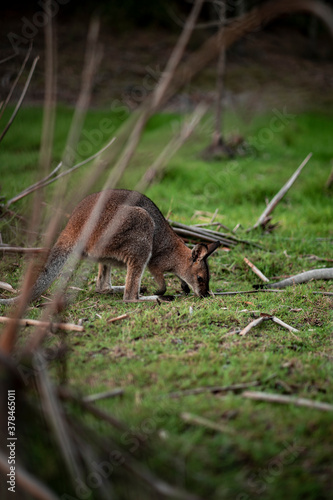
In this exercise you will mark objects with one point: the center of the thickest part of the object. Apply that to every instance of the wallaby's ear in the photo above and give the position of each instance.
(202, 251)
(212, 247)
(199, 252)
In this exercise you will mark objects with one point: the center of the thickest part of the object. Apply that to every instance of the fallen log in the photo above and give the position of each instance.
(315, 274)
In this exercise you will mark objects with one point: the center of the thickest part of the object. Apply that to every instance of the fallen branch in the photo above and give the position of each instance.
(325, 273)
(251, 325)
(103, 395)
(278, 398)
(118, 318)
(7, 287)
(256, 270)
(197, 420)
(265, 317)
(201, 234)
(278, 197)
(247, 292)
(43, 324)
(8, 249)
(213, 389)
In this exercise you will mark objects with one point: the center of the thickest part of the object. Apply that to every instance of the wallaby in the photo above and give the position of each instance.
(119, 227)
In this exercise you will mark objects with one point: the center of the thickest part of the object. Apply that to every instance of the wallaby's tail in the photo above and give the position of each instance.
(51, 271)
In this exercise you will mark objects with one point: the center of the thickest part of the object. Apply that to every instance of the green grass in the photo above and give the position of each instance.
(268, 450)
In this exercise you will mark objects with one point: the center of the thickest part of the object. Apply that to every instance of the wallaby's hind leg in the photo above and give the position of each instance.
(133, 281)
(103, 284)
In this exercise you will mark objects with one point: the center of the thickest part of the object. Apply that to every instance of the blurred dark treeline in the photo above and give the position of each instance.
(122, 14)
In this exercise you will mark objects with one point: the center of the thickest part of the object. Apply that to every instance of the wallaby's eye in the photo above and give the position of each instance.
(200, 279)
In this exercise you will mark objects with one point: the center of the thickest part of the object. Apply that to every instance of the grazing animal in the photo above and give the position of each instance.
(118, 227)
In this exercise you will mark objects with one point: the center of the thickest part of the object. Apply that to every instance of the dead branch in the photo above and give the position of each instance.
(118, 318)
(103, 395)
(54, 414)
(214, 389)
(208, 235)
(43, 324)
(256, 270)
(253, 323)
(19, 103)
(246, 292)
(10, 93)
(7, 287)
(205, 422)
(48, 180)
(278, 197)
(8, 249)
(279, 398)
(285, 325)
(325, 273)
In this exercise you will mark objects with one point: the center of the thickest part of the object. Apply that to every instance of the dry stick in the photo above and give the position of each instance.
(278, 197)
(4, 105)
(205, 422)
(18, 105)
(118, 318)
(7, 286)
(43, 324)
(54, 413)
(285, 325)
(253, 323)
(246, 292)
(97, 412)
(256, 270)
(30, 484)
(157, 97)
(324, 293)
(172, 147)
(103, 395)
(22, 250)
(47, 180)
(278, 398)
(213, 389)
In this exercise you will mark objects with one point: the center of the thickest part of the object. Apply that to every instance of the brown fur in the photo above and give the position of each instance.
(121, 227)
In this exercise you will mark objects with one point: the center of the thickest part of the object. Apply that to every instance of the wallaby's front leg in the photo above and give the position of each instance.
(159, 278)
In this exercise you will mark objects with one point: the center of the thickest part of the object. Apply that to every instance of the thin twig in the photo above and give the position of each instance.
(278, 197)
(6, 249)
(279, 398)
(44, 324)
(205, 422)
(10, 93)
(246, 292)
(213, 389)
(103, 395)
(256, 270)
(47, 180)
(118, 318)
(18, 105)
(54, 413)
(253, 323)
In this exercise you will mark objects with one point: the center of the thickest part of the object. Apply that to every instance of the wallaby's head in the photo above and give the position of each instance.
(197, 274)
